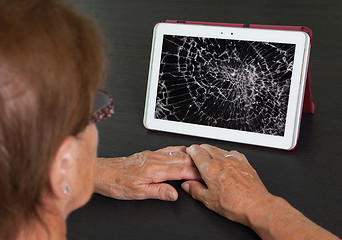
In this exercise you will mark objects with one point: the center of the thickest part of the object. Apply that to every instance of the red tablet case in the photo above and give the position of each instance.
(308, 106)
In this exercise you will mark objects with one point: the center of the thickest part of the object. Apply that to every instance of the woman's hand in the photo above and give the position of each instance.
(140, 176)
(235, 191)
(233, 188)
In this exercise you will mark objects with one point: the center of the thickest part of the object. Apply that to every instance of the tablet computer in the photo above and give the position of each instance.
(235, 84)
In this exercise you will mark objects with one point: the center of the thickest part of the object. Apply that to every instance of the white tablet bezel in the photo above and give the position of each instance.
(288, 141)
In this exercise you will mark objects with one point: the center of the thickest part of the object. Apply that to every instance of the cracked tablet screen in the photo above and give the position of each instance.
(234, 84)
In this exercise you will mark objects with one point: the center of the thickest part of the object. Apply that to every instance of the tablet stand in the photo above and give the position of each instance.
(308, 105)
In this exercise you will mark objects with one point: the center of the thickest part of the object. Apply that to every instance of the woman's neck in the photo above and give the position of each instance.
(52, 227)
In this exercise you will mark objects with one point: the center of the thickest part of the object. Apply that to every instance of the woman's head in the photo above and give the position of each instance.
(51, 65)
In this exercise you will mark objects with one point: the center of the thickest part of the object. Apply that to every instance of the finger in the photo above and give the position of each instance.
(172, 149)
(200, 157)
(213, 151)
(162, 191)
(167, 158)
(196, 189)
(219, 153)
(237, 156)
(162, 172)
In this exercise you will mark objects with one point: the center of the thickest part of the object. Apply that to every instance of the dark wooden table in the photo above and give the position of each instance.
(308, 177)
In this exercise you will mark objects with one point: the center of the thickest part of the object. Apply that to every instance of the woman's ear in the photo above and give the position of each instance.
(59, 171)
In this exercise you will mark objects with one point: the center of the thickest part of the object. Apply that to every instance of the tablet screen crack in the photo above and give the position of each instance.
(242, 85)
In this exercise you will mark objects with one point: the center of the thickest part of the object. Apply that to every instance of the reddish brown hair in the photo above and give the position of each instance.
(51, 65)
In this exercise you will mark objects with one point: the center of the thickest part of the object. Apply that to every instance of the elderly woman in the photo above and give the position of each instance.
(52, 63)
(51, 66)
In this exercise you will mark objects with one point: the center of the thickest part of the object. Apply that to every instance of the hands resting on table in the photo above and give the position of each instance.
(223, 180)
(140, 175)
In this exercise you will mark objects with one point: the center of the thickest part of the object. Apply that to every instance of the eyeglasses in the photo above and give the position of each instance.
(103, 107)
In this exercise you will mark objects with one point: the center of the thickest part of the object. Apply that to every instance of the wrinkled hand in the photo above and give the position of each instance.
(233, 186)
(140, 176)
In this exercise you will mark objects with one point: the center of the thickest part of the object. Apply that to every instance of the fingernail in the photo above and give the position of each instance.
(205, 146)
(185, 187)
(190, 149)
(171, 195)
